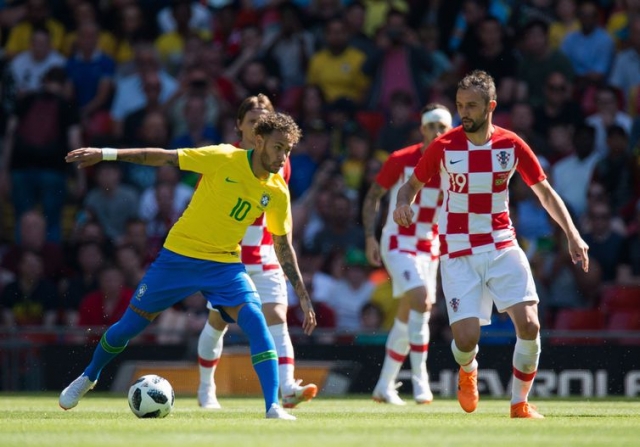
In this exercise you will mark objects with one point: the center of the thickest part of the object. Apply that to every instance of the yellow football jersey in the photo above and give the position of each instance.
(227, 200)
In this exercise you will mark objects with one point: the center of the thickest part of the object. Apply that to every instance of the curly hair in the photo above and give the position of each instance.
(281, 122)
(481, 81)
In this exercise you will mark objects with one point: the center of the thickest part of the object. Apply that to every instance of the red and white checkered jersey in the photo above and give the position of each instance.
(257, 252)
(475, 211)
(422, 235)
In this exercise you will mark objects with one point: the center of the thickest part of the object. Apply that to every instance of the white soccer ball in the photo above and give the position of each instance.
(151, 396)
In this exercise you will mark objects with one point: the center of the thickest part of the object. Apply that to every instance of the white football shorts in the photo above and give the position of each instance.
(410, 271)
(271, 286)
(472, 284)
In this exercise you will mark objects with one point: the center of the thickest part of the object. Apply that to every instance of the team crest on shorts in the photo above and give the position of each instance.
(454, 303)
(503, 159)
(407, 275)
(141, 291)
(264, 200)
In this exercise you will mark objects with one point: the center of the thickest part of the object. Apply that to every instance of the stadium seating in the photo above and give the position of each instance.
(624, 320)
(579, 320)
(620, 298)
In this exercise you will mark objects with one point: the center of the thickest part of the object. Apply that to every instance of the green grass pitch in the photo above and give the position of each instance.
(105, 420)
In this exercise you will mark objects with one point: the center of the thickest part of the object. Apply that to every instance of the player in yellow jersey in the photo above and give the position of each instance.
(202, 252)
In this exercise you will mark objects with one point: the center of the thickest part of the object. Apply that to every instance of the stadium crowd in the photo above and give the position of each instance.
(354, 74)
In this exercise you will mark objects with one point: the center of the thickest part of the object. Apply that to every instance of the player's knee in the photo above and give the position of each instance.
(529, 330)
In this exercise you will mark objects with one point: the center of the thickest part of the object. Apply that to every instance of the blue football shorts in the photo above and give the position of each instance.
(173, 277)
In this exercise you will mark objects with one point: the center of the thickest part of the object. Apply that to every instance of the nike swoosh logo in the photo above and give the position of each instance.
(228, 180)
(454, 162)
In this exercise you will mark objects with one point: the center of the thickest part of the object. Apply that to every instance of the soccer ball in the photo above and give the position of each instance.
(151, 396)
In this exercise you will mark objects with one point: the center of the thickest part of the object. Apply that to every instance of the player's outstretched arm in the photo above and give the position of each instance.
(88, 156)
(289, 263)
(369, 211)
(403, 214)
(551, 201)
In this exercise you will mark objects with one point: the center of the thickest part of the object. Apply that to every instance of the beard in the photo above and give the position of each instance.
(473, 126)
(271, 167)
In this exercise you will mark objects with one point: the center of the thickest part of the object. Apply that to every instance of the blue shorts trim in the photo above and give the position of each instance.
(173, 277)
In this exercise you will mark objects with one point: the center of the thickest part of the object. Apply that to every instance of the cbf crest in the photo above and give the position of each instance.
(503, 159)
(265, 199)
(455, 304)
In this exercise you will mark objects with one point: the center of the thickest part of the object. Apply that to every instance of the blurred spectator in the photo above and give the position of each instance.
(29, 67)
(607, 113)
(377, 11)
(566, 21)
(597, 195)
(111, 202)
(319, 13)
(84, 13)
(353, 164)
(199, 19)
(311, 106)
(130, 29)
(170, 44)
(463, 40)
(340, 231)
(38, 16)
(308, 156)
(590, 49)
(522, 122)
(628, 272)
(181, 193)
(212, 60)
(90, 82)
(130, 95)
(526, 11)
(625, 73)
(89, 260)
(154, 132)
(30, 299)
(571, 176)
(183, 321)
(561, 283)
(337, 69)
(250, 51)
(253, 80)
(199, 131)
(159, 225)
(354, 16)
(619, 23)
(130, 263)
(533, 226)
(371, 317)
(441, 76)
(349, 294)
(539, 61)
(605, 245)
(106, 305)
(615, 171)
(136, 237)
(398, 64)
(33, 169)
(341, 119)
(128, 130)
(495, 56)
(401, 121)
(557, 106)
(195, 83)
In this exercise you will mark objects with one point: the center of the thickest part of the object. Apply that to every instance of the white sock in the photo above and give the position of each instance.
(419, 342)
(467, 360)
(397, 348)
(284, 349)
(210, 345)
(525, 365)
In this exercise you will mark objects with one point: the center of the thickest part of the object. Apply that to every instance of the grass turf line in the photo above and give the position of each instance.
(103, 420)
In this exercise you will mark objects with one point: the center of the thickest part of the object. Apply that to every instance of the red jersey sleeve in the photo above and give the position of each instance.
(430, 162)
(528, 164)
(390, 172)
(286, 171)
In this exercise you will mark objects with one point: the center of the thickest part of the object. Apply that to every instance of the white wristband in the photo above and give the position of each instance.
(109, 154)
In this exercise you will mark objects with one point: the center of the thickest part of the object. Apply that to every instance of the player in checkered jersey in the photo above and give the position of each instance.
(481, 263)
(260, 260)
(410, 256)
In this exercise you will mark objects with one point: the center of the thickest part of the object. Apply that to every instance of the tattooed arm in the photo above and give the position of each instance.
(88, 156)
(289, 263)
(369, 211)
